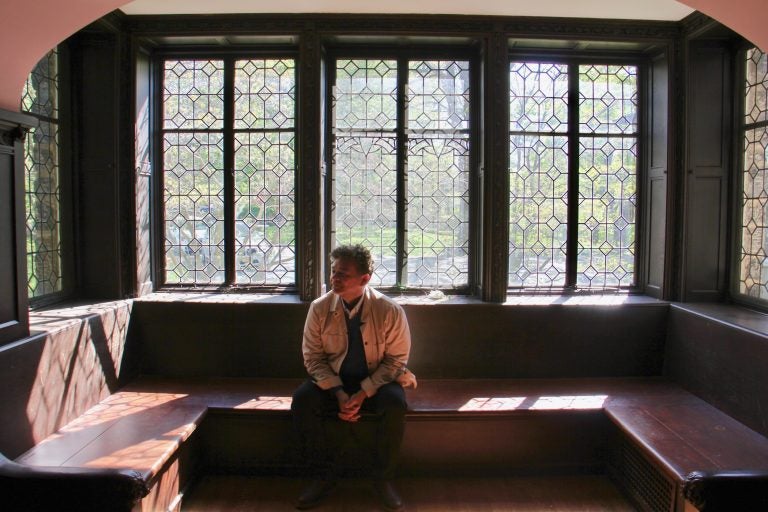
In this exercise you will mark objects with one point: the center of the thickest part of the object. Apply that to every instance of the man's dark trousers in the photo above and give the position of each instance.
(312, 407)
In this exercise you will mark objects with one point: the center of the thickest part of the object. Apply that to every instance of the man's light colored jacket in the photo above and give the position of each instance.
(386, 339)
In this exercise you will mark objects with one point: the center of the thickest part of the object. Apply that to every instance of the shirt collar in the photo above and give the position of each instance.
(352, 313)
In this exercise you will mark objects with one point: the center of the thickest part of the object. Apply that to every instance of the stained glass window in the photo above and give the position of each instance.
(401, 185)
(42, 167)
(200, 135)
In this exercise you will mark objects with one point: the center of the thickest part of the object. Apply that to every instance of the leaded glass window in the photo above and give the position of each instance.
(401, 147)
(229, 171)
(573, 175)
(538, 205)
(40, 98)
(753, 267)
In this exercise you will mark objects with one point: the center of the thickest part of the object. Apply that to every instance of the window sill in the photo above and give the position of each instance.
(731, 315)
(422, 299)
(51, 319)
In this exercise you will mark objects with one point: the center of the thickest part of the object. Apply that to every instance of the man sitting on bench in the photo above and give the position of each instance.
(356, 344)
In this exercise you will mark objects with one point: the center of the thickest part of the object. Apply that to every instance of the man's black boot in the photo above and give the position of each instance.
(314, 493)
(388, 496)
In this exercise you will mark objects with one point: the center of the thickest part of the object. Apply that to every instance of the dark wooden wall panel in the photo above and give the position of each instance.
(48, 379)
(707, 266)
(708, 169)
(449, 341)
(13, 269)
(96, 163)
(9, 278)
(478, 341)
(655, 184)
(219, 340)
(547, 443)
(724, 364)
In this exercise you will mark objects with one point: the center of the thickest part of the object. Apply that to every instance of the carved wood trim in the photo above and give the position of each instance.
(569, 28)
(309, 184)
(14, 126)
(496, 169)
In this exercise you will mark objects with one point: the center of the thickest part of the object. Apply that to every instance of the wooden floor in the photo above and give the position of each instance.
(519, 494)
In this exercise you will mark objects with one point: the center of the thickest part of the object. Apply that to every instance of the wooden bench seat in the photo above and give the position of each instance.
(150, 425)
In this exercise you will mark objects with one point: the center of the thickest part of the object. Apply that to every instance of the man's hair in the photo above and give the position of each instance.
(358, 254)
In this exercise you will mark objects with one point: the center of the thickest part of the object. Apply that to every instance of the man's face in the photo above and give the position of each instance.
(346, 280)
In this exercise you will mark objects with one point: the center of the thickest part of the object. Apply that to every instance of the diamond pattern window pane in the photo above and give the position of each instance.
(265, 92)
(438, 95)
(365, 95)
(756, 100)
(193, 178)
(435, 228)
(41, 90)
(753, 268)
(193, 95)
(265, 226)
(197, 143)
(538, 210)
(438, 211)
(607, 212)
(366, 200)
(438, 174)
(42, 210)
(538, 97)
(540, 162)
(608, 99)
(42, 194)
(538, 203)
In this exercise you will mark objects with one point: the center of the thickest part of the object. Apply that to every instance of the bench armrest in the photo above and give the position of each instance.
(713, 491)
(34, 488)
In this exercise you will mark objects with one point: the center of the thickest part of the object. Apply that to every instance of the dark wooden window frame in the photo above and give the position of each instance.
(67, 195)
(158, 236)
(574, 60)
(496, 39)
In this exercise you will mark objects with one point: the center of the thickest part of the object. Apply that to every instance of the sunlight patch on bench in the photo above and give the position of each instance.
(267, 403)
(565, 402)
(578, 402)
(499, 403)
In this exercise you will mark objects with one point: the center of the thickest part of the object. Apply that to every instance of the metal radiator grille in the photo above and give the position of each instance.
(645, 485)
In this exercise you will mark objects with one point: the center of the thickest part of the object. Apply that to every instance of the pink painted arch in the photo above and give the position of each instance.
(747, 17)
(30, 28)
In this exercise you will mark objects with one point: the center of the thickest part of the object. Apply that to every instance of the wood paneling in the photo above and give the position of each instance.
(708, 168)
(13, 269)
(655, 188)
(449, 341)
(724, 364)
(218, 493)
(48, 379)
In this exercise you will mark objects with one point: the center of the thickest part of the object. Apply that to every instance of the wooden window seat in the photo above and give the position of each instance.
(648, 433)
